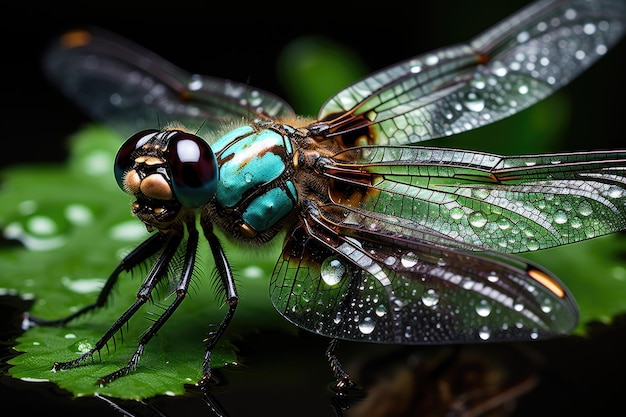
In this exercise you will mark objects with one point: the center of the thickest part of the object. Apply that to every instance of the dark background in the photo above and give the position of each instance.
(242, 42)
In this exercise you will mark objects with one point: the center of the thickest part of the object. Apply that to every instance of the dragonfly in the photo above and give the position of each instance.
(384, 240)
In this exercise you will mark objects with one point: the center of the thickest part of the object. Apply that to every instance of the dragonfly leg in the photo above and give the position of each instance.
(146, 249)
(180, 291)
(158, 271)
(343, 383)
(232, 299)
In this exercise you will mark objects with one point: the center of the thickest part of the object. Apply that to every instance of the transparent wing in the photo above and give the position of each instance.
(373, 285)
(509, 67)
(412, 247)
(125, 85)
(505, 203)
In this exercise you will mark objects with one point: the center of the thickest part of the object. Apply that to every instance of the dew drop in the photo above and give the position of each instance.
(503, 223)
(546, 306)
(484, 333)
(584, 208)
(332, 270)
(560, 217)
(431, 60)
(523, 37)
(498, 69)
(478, 83)
(9, 291)
(567, 206)
(37, 232)
(430, 298)
(615, 192)
(338, 317)
(456, 213)
(532, 245)
(473, 102)
(367, 325)
(83, 286)
(381, 310)
(128, 231)
(477, 219)
(81, 347)
(576, 223)
(42, 225)
(195, 84)
(79, 214)
(253, 272)
(408, 332)
(483, 308)
(409, 260)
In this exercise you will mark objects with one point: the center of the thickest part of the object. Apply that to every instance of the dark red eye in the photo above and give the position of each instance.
(123, 160)
(193, 169)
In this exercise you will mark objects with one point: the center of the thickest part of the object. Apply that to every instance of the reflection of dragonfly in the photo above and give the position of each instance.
(385, 242)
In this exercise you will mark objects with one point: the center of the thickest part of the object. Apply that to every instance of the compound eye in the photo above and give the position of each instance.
(123, 159)
(193, 169)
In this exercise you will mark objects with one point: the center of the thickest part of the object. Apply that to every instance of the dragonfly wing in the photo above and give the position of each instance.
(123, 84)
(380, 286)
(506, 69)
(507, 204)
(412, 245)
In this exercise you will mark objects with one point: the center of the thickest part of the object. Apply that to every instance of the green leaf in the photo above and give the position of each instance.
(76, 225)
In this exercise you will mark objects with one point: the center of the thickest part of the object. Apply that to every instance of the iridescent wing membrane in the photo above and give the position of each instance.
(408, 250)
(410, 244)
(509, 67)
(411, 248)
(131, 88)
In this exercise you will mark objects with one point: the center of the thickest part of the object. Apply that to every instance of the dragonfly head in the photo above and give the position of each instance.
(166, 170)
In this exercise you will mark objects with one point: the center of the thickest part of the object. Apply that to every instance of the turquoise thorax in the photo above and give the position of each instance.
(252, 177)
